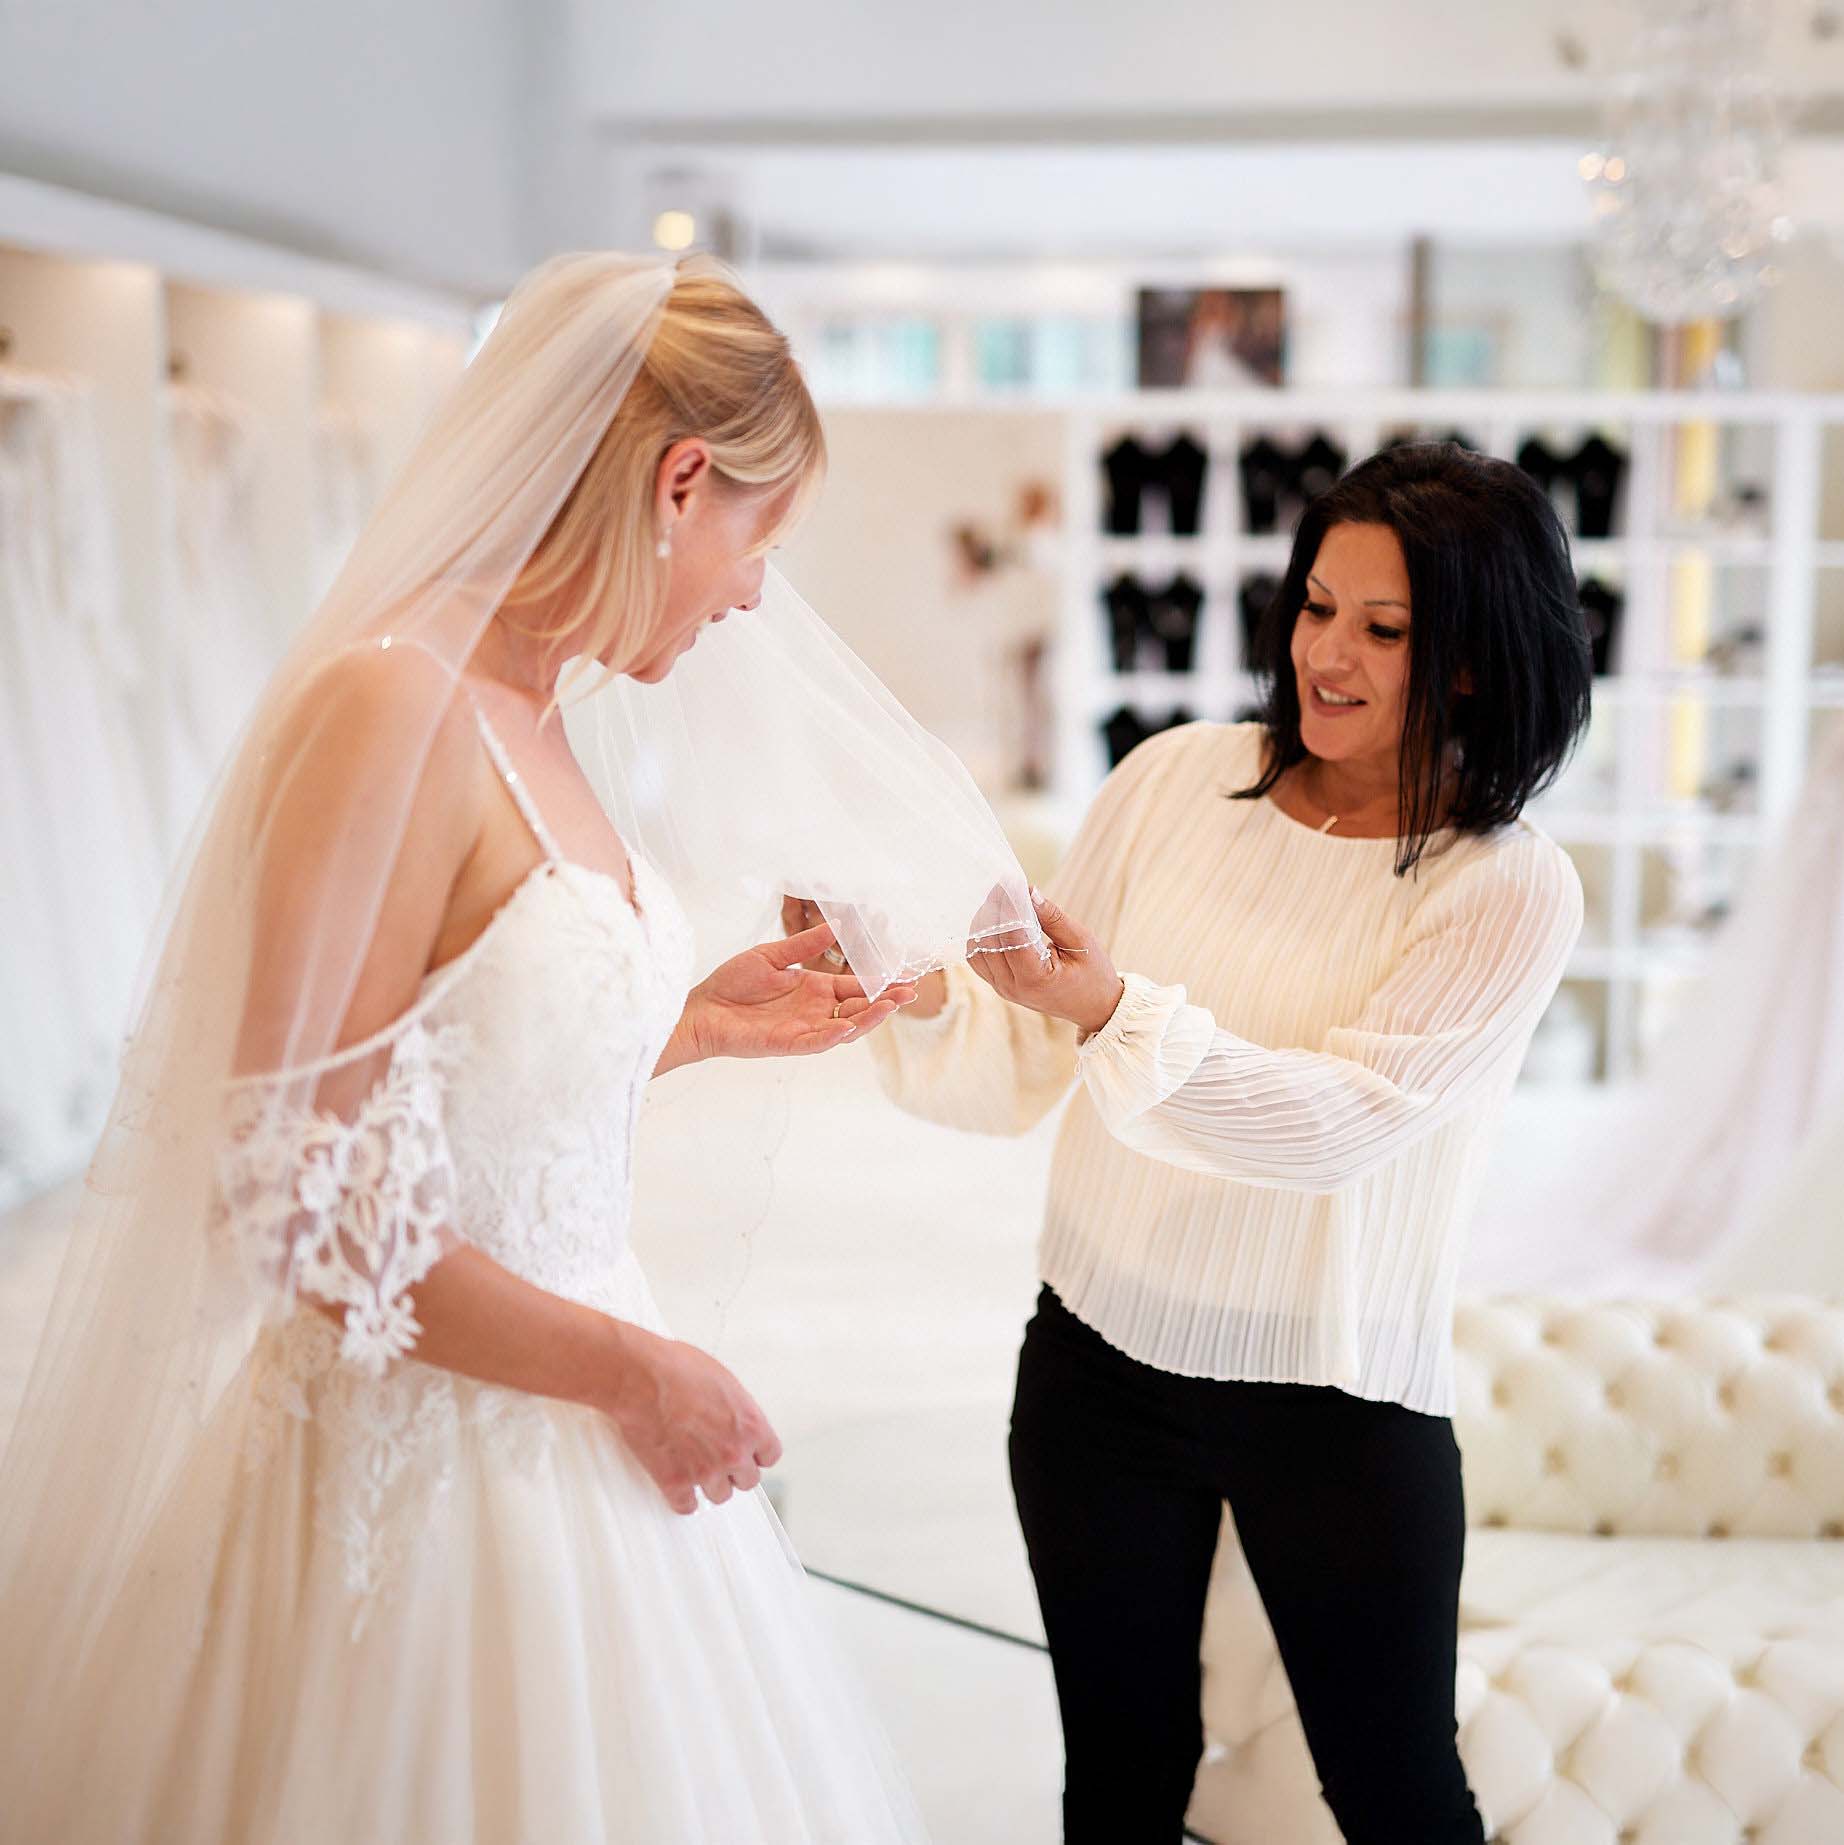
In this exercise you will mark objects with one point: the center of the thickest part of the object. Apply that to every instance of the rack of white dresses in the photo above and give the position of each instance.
(130, 300)
(147, 337)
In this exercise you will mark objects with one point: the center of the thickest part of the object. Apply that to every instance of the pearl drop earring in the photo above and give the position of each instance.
(664, 547)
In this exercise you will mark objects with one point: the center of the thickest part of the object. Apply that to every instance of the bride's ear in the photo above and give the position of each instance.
(683, 469)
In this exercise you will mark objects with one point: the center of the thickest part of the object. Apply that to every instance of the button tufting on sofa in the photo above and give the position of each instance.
(1620, 1675)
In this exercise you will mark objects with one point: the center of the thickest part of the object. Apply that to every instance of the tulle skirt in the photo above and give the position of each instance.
(542, 1653)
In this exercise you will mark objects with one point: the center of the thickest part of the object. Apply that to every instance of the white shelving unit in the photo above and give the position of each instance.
(1659, 822)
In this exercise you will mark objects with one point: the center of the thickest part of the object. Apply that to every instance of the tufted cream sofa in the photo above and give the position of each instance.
(1652, 1614)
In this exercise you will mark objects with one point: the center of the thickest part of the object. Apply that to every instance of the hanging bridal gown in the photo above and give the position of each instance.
(439, 1611)
(217, 654)
(79, 880)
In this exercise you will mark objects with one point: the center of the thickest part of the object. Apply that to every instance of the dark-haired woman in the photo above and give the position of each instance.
(1342, 935)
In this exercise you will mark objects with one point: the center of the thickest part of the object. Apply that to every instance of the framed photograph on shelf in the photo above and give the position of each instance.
(1212, 339)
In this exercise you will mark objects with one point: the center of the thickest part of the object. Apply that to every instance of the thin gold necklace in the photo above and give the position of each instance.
(1331, 820)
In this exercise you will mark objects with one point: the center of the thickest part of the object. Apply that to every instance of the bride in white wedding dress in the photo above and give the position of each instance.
(361, 1494)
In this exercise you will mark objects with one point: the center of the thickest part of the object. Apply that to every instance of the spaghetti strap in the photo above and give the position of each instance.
(515, 786)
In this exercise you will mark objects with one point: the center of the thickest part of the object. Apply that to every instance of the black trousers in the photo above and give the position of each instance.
(1351, 1518)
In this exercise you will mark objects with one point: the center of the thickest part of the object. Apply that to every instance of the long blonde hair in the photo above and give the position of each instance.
(716, 368)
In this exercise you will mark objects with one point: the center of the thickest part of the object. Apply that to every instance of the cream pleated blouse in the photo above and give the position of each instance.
(1276, 1143)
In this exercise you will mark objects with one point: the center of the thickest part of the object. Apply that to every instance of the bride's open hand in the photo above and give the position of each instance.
(763, 1003)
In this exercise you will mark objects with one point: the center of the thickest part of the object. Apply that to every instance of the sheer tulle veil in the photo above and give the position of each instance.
(775, 763)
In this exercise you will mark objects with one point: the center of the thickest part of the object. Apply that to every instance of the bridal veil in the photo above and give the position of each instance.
(252, 1155)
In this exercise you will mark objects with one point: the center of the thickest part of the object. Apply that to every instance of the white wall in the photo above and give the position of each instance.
(1798, 345)
(874, 557)
(388, 132)
(1798, 342)
(1538, 302)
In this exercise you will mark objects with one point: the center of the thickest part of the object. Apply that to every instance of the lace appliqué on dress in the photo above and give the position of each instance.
(389, 1445)
(352, 1212)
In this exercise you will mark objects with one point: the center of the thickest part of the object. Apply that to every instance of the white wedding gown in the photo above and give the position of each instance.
(442, 1612)
(79, 871)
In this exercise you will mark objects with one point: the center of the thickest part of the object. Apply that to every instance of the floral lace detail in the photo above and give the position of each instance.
(352, 1212)
(543, 1106)
(390, 1444)
(506, 1120)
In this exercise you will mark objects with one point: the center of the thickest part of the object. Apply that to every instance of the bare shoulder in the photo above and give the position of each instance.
(378, 734)
(370, 695)
(367, 807)
(370, 706)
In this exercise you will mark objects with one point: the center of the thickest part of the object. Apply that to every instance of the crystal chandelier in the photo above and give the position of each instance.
(1686, 187)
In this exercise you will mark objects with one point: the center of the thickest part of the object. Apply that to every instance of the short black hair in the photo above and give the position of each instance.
(1493, 594)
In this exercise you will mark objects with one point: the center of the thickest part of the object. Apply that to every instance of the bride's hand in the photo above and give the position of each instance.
(688, 1422)
(1071, 979)
(764, 1003)
(930, 993)
(799, 914)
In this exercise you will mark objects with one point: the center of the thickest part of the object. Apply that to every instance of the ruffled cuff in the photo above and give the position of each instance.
(1147, 1051)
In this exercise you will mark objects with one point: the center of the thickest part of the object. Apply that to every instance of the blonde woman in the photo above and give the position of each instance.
(361, 1493)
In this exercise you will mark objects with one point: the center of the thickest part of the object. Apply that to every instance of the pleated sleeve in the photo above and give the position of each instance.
(1483, 957)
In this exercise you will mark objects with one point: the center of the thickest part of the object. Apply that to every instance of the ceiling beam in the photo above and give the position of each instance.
(1818, 115)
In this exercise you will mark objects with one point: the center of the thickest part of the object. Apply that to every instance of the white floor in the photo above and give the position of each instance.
(972, 1719)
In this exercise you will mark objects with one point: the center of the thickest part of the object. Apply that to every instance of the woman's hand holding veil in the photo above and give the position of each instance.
(763, 1003)
(1069, 977)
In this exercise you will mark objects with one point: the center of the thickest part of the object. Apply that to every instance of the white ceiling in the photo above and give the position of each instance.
(456, 140)
(980, 129)
(867, 70)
